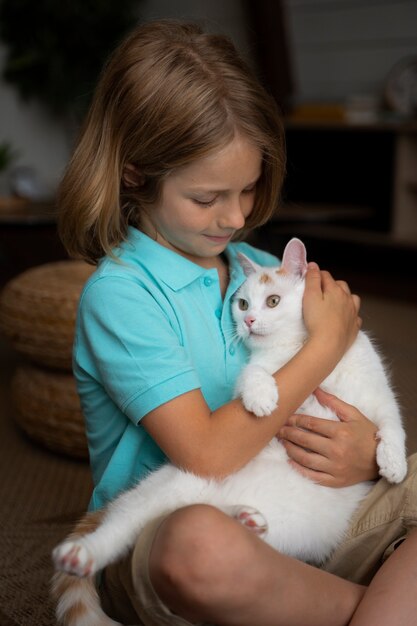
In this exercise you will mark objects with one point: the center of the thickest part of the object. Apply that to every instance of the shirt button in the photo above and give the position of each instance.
(232, 350)
(208, 281)
(218, 313)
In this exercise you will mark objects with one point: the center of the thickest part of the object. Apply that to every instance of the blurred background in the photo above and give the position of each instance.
(343, 71)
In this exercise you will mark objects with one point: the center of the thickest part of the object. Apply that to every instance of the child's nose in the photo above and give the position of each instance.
(233, 216)
(249, 319)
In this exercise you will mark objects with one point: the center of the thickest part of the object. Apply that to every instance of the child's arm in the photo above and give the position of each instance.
(220, 442)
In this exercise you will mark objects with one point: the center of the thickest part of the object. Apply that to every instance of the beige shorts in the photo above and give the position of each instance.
(381, 523)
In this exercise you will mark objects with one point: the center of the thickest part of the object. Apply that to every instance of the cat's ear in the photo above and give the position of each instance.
(294, 260)
(248, 266)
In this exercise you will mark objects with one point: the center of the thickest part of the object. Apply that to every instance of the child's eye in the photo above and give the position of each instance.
(272, 301)
(206, 203)
(243, 304)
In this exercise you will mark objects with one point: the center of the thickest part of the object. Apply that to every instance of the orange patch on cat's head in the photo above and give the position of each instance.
(264, 278)
(280, 271)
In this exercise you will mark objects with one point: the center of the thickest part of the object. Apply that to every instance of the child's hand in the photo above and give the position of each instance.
(335, 454)
(330, 310)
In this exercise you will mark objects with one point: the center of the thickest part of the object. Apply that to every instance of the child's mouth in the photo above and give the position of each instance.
(218, 238)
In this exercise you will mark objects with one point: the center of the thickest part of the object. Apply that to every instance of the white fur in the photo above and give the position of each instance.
(304, 519)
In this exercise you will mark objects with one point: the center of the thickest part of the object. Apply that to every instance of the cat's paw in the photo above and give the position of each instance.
(250, 518)
(73, 557)
(260, 406)
(392, 461)
(259, 392)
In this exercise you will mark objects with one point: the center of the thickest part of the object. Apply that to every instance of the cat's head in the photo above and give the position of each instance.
(269, 303)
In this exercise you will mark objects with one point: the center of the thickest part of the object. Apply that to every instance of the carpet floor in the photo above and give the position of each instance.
(43, 493)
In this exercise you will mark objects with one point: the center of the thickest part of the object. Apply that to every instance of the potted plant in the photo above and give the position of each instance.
(54, 53)
(55, 49)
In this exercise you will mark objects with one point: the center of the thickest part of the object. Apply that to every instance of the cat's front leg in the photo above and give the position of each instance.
(74, 556)
(391, 454)
(258, 390)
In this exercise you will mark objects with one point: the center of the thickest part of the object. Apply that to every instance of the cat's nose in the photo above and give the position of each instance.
(249, 320)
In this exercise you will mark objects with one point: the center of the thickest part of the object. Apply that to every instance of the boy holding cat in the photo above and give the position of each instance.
(183, 151)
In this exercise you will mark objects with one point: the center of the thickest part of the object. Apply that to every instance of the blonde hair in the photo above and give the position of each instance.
(169, 94)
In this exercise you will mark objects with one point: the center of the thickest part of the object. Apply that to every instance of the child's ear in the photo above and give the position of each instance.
(132, 177)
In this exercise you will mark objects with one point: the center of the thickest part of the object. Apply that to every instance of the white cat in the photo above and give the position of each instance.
(293, 514)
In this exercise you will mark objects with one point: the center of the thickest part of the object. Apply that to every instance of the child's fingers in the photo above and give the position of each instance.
(344, 411)
(313, 274)
(343, 284)
(356, 301)
(329, 281)
(318, 425)
(329, 308)
(313, 281)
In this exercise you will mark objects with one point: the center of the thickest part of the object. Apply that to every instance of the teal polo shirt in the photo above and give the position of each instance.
(151, 326)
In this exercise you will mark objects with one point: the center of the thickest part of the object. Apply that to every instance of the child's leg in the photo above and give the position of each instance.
(208, 569)
(390, 599)
(382, 550)
(201, 566)
(203, 563)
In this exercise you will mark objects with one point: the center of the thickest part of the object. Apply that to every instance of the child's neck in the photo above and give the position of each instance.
(218, 262)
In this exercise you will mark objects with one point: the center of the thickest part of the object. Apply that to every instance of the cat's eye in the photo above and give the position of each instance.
(243, 304)
(272, 301)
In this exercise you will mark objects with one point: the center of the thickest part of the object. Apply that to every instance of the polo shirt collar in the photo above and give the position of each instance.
(173, 269)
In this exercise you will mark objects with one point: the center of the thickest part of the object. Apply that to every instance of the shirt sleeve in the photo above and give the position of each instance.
(128, 340)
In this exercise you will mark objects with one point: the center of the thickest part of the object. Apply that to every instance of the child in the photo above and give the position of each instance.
(183, 152)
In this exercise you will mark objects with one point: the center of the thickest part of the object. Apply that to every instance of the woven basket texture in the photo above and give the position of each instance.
(38, 310)
(48, 409)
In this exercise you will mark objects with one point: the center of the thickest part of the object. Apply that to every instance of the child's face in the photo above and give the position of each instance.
(203, 204)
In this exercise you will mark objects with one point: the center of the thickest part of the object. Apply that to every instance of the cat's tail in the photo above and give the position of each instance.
(77, 602)
(76, 599)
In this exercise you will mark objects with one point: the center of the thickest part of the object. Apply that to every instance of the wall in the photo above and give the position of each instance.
(347, 47)
(225, 16)
(39, 142)
(45, 144)
(339, 47)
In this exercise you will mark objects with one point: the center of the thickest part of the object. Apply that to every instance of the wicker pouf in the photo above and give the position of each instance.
(38, 310)
(37, 314)
(48, 409)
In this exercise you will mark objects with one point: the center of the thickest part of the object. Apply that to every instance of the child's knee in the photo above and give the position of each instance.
(197, 553)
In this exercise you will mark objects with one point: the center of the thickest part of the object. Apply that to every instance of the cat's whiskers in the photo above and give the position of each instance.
(232, 335)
